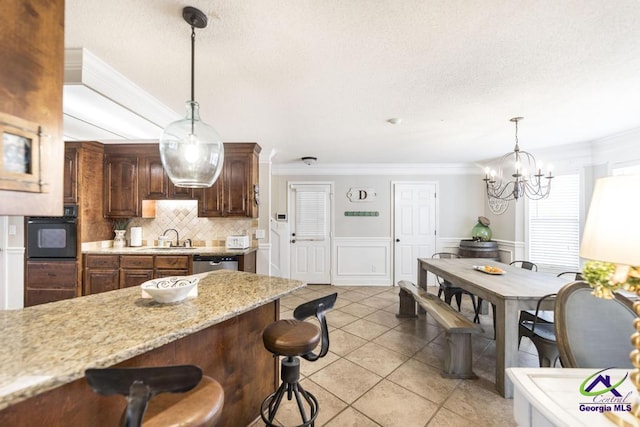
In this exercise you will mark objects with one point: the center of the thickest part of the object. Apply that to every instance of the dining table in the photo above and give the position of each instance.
(510, 291)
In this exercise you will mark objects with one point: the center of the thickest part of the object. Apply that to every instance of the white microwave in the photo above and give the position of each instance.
(238, 242)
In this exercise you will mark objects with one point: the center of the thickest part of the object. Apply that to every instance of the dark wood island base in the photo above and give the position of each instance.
(231, 352)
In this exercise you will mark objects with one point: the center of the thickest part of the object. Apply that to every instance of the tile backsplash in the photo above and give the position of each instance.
(182, 215)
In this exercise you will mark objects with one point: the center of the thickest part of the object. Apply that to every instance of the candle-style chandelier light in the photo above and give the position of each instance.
(517, 175)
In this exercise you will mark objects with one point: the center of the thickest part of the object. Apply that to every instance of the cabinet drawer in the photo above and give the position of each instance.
(172, 262)
(168, 273)
(51, 275)
(138, 261)
(102, 261)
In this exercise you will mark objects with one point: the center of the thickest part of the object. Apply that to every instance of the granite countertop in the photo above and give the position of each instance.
(156, 250)
(49, 345)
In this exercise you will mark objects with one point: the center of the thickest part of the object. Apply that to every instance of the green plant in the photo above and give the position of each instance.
(121, 223)
(607, 277)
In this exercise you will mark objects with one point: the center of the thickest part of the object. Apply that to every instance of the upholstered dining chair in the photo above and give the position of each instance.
(450, 291)
(593, 332)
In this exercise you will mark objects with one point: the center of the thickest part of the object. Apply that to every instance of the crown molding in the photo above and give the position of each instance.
(377, 169)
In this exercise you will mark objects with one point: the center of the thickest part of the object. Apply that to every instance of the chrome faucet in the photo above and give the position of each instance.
(177, 236)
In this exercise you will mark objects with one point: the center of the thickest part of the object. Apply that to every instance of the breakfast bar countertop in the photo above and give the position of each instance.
(49, 345)
(156, 250)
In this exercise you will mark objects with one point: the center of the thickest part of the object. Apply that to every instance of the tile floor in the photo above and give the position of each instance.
(384, 371)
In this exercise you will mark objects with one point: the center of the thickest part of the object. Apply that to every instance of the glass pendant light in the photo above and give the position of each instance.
(192, 152)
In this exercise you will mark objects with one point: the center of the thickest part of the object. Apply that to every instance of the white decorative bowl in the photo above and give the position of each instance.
(170, 289)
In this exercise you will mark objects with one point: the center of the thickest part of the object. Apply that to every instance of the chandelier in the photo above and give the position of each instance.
(517, 176)
(192, 152)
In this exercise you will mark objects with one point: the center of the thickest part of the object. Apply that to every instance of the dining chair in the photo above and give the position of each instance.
(528, 265)
(593, 332)
(450, 291)
(574, 275)
(541, 333)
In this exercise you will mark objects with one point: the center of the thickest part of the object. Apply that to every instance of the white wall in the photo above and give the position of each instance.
(460, 201)
(11, 262)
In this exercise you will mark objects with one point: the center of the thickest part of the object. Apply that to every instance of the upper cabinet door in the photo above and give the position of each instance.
(70, 177)
(154, 182)
(121, 186)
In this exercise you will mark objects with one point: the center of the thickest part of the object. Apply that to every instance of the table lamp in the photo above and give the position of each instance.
(611, 240)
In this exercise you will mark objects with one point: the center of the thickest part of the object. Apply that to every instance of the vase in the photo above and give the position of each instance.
(119, 241)
(481, 232)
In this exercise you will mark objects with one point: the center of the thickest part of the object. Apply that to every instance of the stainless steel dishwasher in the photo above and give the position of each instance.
(205, 263)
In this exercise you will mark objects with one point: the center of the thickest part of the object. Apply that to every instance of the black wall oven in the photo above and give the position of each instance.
(53, 237)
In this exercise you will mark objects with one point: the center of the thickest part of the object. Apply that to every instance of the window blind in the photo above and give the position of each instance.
(311, 221)
(554, 225)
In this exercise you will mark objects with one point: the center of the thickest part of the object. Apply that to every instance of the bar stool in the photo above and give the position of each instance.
(294, 338)
(199, 403)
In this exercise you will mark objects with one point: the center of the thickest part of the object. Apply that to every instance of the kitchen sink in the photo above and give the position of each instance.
(165, 248)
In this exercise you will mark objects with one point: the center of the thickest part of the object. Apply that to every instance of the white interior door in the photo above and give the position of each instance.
(310, 215)
(414, 228)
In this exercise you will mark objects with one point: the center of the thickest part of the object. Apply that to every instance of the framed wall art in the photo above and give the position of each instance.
(20, 155)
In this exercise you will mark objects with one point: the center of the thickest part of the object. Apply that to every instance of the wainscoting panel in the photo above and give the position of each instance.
(362, 261)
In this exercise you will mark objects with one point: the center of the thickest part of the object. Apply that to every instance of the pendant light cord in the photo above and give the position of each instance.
(193, 54)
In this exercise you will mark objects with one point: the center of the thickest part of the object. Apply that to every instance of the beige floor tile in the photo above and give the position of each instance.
(447, 418)
(390, 405)
(478, 401)
(338, 319)
(329, 405)
(420, 328)
(292, 301)
(343, 343)
(423, 380)
(307, 367)
(432, 354)
(385, 318)
(365, 329)
(376, 358)
(399, 341)
(378, 363)
(378, 302)
(355, 296)
(351, 418)
(358, 310)
(345, 379)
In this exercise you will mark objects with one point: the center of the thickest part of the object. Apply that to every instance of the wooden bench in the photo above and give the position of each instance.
(458, 329)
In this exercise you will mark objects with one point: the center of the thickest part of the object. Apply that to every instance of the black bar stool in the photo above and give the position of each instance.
(199, 403)
(294, 338)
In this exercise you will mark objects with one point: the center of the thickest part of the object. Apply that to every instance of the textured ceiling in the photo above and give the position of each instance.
(320, 78)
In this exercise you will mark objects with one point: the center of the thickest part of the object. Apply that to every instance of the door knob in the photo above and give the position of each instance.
(293, 241)
(397, 240)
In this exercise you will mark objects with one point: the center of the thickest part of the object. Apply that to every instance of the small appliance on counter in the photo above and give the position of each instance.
(136, 236)
(238, 242)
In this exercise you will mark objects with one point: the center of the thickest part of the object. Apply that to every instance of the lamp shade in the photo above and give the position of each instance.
(612, 231)
(192, 152)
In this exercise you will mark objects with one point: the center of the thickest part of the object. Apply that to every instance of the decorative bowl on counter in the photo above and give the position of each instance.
(170, 289)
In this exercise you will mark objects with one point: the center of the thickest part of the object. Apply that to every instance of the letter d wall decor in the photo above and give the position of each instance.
(362, 194)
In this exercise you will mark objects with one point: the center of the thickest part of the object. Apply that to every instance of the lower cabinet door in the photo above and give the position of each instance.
(97, 281)
(130, 278)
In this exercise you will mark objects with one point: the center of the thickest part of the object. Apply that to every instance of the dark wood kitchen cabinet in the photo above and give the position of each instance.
(101, 273)
(70, 177)
(154, 181)
(121, 185)
(134, 172)
(31, 81)
(236, 192)
(135, 269)
(48, 281)
(108, 272)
